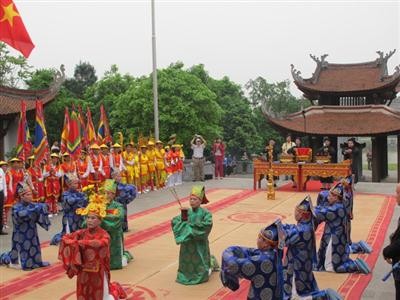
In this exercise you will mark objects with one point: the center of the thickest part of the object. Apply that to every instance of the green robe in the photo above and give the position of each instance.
(194, 255)
(112, 223)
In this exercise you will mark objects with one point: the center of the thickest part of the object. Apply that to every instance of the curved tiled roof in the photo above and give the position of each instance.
(348, 78)
(368, 120)
(10, 98)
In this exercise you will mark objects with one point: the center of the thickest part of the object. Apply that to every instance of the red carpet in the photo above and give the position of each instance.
(311, 186)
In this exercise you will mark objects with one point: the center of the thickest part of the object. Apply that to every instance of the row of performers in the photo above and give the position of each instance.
(153, 167)
(271, 275)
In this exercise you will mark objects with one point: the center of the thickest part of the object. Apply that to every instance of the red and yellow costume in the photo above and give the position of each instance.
(96, 169)
(82, 167)
(52, 186)
(86, 254)
(38, 183)
(161, 174)
(106, 165)
(15, 176)
(144, 169)
(151, 155)
(132, 168)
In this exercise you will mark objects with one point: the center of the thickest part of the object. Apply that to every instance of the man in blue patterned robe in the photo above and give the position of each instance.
(126, 193)
(322, 200)
(333, 254)
(72, 199)
(348, 196)
(261, 265)
(298, 277)
(25, 252)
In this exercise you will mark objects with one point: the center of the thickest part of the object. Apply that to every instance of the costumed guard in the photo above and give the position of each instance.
(106, 157)
(333, 254)
(151, 155)
(261, 265)
(52, 183)
(126, 193)
(37, 180)
(348, 196)
(82, 166)
(25, 252)
(299, 280)
(86, 254)
(160, 165)
(72, 199)
(14, 175)
(191, 230)
(96, 166)
(112, 223)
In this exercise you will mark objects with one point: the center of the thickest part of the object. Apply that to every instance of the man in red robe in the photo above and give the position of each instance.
(86, 254)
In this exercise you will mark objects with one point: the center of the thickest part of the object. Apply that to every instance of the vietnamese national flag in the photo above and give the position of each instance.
(12, 29)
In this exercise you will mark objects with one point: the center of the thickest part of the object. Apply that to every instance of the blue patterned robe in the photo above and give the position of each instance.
(300, 240)
(25, 248)
(322, 200)
(262, 268)
(333, 253)
(71, 200)
(126, 193)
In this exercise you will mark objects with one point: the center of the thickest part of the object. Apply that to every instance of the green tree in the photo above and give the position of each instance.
(106, 91)
(84, 77)
(273, 97)
(13, 70)
(186, 106)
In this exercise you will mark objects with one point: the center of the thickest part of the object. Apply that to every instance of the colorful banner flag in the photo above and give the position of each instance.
(91, 133)
(41, 143)
(24, 145)
(82, 128)
(12, 29)
(103, 133)
(74, 136)
(64, 133)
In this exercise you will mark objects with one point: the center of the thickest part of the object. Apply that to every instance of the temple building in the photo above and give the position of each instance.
(348, 100)
(10, 107)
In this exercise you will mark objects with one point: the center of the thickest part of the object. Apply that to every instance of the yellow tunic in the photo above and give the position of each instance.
(151, 154)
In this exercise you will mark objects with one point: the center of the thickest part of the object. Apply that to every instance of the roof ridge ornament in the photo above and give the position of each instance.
(321, 64)
(58, 79)
(382, 60)
(296, 74)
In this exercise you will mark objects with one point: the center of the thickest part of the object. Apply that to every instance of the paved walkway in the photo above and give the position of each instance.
(376, 289)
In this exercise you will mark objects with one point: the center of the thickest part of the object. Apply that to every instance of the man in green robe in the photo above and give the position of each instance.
(195, 261)
(112, 223)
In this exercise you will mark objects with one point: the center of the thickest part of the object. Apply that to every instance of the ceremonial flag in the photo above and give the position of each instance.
(64, 133)
(41, 144)
(91, 134)
(74, 136)
(12, 29)
(103, 133)
(24, 145)
(82, 128)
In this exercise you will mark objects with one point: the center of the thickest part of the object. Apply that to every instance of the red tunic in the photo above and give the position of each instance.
(68, 167)
(87, 255)
(15, 176)
(52, 182)
(81, 166)
(106, 166)
(38, 183)
(9, 201)
(95, 178)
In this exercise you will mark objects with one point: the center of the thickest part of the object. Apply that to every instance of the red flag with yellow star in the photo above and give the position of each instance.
(12, 29)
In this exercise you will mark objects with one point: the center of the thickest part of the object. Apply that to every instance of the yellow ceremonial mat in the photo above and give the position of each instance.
(238, 215)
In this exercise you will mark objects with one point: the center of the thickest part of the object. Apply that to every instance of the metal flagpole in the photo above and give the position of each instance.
(155, 91)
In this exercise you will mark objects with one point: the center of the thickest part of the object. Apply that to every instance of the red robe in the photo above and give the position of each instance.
(96, 177)
(81, 167)
(15, 176)
(52, 187)
(87, 255)
(106, 166)
(38, 183)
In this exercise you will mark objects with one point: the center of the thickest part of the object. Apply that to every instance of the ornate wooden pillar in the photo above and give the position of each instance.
(384, 154)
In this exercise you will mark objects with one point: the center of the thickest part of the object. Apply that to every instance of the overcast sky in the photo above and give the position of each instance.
(240, 39)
